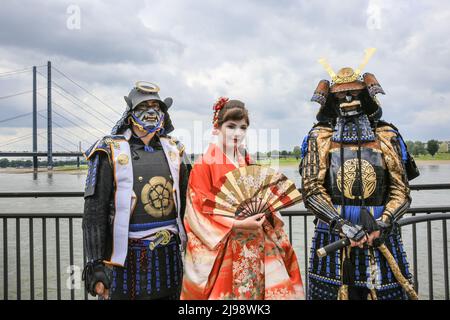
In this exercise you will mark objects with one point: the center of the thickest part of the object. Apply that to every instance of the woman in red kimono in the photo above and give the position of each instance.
(228, 258)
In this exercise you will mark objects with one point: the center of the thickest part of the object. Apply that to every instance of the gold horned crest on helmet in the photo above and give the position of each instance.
(347, 75)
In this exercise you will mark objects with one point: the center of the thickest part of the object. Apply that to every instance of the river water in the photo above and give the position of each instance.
(74, 181)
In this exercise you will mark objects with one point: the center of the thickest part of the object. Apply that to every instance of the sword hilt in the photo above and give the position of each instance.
(162, 237)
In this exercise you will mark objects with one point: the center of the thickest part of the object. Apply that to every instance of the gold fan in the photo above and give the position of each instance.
(254, 189)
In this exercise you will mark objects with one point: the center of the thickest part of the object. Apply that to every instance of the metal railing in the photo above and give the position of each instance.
(429, 215)
(32, 218)
(66, 255)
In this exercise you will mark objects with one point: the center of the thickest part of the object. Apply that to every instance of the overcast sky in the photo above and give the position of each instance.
(262, 52)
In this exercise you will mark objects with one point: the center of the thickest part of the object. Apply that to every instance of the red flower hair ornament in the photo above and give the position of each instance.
(218, 105)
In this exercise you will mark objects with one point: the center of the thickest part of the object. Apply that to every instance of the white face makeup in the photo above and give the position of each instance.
(232, 133)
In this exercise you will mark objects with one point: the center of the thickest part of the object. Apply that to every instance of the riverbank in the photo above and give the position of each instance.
(63, 169)
(431, 162)
(444, 156)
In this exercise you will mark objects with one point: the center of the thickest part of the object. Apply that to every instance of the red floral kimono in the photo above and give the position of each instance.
(222, 263)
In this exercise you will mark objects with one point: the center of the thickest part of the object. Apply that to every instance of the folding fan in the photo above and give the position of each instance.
(254, 189)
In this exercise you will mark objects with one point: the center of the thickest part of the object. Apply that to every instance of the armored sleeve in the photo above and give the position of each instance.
(313, 169)
(97, 207)
(399, 198)
(185, 170)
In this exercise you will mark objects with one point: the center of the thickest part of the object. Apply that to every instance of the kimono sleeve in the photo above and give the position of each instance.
(210, 228)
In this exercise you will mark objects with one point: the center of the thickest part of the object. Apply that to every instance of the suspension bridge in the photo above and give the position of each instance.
(74, 116)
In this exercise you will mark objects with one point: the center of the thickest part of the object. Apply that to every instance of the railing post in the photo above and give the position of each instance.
(72, 289)
(18, 276)
(58, 262)
(430, 260)
(445, 240)
(5, 258)
(31, 235)
(84, 263)
(414, 241)
(44, 257)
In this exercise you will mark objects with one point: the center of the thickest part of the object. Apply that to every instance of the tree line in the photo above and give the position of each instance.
(416, 148)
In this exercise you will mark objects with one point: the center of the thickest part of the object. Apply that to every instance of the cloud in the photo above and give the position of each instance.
(107, 33)
(262, 52)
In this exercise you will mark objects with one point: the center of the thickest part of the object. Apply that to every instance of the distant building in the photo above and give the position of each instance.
(444, 146)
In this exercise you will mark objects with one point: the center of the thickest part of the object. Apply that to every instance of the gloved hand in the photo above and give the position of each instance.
(95, 272)
(348, 229)
(385, 228)
(384, 225)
